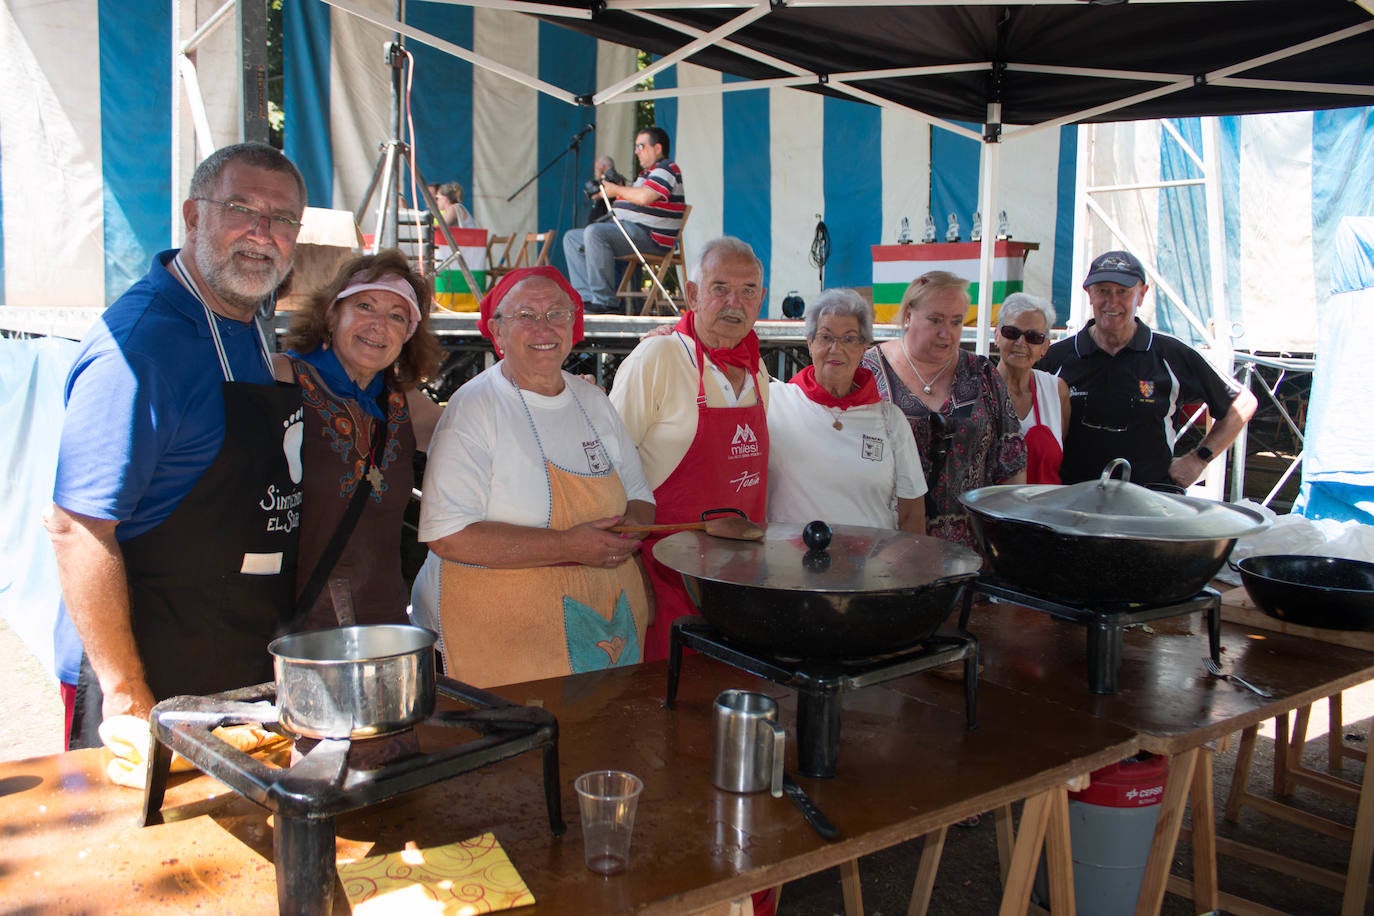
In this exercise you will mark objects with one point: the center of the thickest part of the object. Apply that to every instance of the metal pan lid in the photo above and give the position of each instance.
(1114, 508)
(858, 560)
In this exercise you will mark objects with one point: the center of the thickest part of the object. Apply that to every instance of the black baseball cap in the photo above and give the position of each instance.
(1119, 267)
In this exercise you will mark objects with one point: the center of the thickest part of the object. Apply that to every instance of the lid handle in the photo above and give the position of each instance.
(1112, 466)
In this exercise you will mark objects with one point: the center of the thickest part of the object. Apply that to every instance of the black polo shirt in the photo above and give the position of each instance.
(1123, 405)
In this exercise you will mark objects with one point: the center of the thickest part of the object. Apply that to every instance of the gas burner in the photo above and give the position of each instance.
(1104, 623)
(334, 776)
(820, 683)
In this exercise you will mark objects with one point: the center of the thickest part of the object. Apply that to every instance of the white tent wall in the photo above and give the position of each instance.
(1286, 181)
(50, 168)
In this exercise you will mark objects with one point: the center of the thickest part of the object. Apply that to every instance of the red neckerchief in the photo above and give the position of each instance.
(866, 391)
(744, 354)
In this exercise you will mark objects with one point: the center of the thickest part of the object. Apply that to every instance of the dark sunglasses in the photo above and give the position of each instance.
(1034, 338)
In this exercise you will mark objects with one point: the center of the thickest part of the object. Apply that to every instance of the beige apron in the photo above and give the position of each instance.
(503, 626)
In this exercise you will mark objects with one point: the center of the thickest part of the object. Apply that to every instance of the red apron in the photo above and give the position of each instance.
(726, 466)
(1043, 451)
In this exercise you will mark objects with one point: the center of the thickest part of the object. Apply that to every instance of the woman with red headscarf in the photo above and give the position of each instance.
(528, 469)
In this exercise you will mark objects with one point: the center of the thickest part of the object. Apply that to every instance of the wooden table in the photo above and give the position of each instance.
(907, 767)
(1167, 697)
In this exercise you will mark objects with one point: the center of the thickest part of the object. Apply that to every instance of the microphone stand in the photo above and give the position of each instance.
(575, 147)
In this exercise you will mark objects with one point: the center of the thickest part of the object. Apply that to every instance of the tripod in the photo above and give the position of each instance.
(394, 155)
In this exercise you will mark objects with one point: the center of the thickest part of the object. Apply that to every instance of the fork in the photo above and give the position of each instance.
(1215, 669)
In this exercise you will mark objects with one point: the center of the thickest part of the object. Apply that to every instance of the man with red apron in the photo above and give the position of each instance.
(694, 403)
(177, 499)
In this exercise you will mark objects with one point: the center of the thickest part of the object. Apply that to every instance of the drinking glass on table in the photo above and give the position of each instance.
(607, 799)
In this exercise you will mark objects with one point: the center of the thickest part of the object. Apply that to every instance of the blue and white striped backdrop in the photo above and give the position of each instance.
(86, 146)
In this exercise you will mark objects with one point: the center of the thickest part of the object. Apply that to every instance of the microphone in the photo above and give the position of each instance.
(584, 131)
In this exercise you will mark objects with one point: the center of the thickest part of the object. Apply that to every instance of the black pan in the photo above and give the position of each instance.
(869, 592)
(1327, 592)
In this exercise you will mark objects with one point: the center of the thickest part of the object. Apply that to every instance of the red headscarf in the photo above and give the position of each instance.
(498, 292)
(744, 354)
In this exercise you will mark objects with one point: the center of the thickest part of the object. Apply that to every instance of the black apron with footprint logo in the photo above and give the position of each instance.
(213, 583)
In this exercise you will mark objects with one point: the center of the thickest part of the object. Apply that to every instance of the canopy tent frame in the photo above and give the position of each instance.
(732, 37)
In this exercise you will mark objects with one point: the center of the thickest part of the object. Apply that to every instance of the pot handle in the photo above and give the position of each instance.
(779, 748)
(724, 510)
(1111, 467)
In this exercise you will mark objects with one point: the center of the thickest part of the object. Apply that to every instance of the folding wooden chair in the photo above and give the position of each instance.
(498, 257)
(651, 299)
(534, 250)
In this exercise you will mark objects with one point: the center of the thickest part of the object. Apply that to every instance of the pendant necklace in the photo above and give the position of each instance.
(837, 424)
(925, 386)
(369, 455)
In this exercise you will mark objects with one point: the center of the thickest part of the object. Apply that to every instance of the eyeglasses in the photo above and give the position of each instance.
(557, 318)
(848, 341)
(1034, 338)
(237, 216)
(723, 290)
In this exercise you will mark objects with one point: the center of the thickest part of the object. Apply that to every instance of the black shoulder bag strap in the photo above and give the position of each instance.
(339, 539)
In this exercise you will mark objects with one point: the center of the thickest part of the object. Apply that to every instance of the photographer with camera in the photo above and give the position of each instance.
(649, 212)
(604, 170)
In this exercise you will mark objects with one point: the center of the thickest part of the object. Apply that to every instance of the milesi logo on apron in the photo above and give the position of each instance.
(744, 444)
(280, 505)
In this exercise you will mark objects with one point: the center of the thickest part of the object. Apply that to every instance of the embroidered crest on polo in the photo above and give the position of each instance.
(1147, 388)
(872, 448)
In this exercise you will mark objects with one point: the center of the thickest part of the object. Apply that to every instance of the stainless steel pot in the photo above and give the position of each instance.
(354, 682)
(1106, 542)
(872, 591)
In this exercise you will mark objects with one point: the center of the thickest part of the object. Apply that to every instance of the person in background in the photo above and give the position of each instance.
(1041, 400)
(449, 197)
(177, 495)
(529, 469)
(649, 211)
(693, 401)
(836, 451)
(965, 426)
(1126, 381)
(357, 350)
(602, 170)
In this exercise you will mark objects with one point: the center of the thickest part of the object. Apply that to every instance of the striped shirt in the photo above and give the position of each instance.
(663, 217)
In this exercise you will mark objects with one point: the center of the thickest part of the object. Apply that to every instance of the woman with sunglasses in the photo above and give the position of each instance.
(529, 469)
(1041, 399)
(836, 450)
(966, 428)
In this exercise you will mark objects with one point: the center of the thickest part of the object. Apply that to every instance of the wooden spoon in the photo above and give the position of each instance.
(734, 528)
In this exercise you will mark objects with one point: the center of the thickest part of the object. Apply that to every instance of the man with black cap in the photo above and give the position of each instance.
(1126, 382)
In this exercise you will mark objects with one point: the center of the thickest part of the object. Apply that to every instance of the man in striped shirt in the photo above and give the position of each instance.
(649, 211)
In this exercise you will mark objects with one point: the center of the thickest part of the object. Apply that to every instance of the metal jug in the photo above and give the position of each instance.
(746, 743)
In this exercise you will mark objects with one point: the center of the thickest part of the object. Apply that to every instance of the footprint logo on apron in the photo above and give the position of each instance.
(291, 443)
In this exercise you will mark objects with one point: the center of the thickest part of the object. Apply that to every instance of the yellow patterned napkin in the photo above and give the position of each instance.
(470, 876)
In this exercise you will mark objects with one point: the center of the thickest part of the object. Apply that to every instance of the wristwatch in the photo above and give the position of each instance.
(1205, 453)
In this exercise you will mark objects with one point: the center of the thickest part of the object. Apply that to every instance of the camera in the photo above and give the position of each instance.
(592, 186)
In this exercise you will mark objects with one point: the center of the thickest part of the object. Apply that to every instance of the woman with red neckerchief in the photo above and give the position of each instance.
(837, 451)
(693, 401)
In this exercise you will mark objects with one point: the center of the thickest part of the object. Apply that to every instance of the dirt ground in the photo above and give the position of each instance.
(967, 883)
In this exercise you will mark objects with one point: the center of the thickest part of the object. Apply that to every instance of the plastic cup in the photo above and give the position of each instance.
(607, 799)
